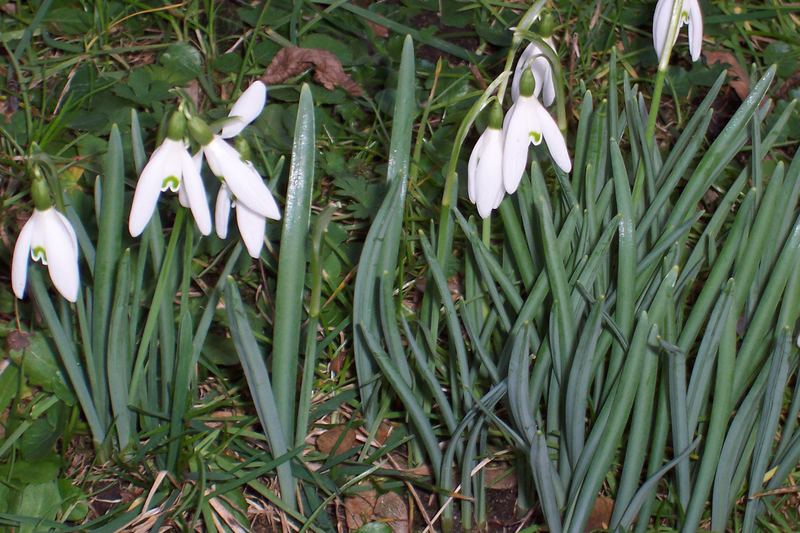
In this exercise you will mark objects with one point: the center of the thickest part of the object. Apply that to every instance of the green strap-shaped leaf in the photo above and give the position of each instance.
(292, 263)
(108, 252)
(379, 255)
(258, 381)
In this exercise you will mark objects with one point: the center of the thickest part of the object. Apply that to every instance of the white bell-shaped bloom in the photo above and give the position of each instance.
(529, 122)
(485, 172)
(251, 225)
(690, 14)
(47, 237)
(246, 109)
(242, 179)
(170, 167)
(534, 58)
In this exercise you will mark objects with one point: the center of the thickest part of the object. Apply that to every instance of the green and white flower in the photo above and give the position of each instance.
(170, 167)
(47, 237)
(689, 14)
(535, 59)
(485, 169)
(526, 123)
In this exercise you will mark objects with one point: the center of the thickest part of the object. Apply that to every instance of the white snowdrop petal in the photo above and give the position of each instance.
(196, 194)
(474, 158)
(273, 211)
(244, 184)
(19, 263)
(489, 174)
(62, 261)
(197, 159)
(171, 163)
(73, 237)
(515, 147)
(543, 76)
(183, 197)
(148, 189)
(500, 194)
(251, 227)
(222, 211)
(246, 109)
(529, 52)
(695, 28)
(661, 19)
(556, 144)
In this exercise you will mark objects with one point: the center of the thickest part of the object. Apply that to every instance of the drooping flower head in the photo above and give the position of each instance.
(689, 14)
(226, 163)
(251, 225)
(485, 170)
(534, 59)
(526, 123)
(48, 237)
(170, 167)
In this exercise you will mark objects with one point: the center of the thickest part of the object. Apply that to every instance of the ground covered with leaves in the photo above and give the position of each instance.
(80, 80)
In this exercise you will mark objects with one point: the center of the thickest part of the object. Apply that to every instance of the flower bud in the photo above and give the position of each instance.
(176, 126)
(496, 116)
(547, 26)
(40, 193)
(243, 147)
(527, 83)
(200, 131)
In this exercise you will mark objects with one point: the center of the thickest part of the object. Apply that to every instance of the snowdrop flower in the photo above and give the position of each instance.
(529, 122)
(251, 225)
(485, 169)
(689, 14)
(240, 177)
(170, 167)
(535, 59)
(245, 110)
(47, 237)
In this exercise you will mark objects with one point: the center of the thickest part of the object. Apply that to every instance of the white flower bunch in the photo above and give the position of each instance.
(172, 167)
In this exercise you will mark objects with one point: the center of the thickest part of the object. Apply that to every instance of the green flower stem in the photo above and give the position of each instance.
(654, 105)
(674, 24)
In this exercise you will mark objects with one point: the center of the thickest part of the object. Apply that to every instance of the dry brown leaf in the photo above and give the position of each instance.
(392, 509)
(17, 340)
(384, 430)
(327, 441)
(601, 514)
(358, 509)
(378, 30)
(328, 71)
(740, 81)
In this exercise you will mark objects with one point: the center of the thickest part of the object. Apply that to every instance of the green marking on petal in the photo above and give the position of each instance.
(172, 183)
(536, 136)
(684, 16)
(38, 254)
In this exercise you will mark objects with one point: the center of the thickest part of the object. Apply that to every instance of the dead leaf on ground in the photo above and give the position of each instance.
(327, 441)
(358, 508)
(328, 71)
(601, 514)
(740, 81)
(384, 430)
(17, 340)
(378, 30)
(367, 506)
(392, 509)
